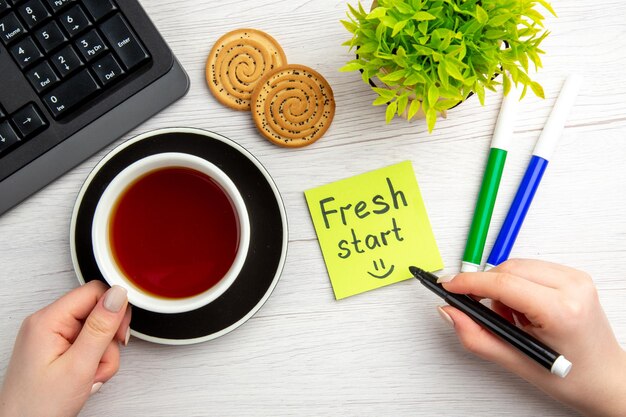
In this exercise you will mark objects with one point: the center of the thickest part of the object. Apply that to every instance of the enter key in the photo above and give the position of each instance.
(124, 42)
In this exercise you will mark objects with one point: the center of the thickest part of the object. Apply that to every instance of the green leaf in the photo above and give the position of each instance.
(506, 83)
(404, 8)
(413, 109)
(351, 66)
(443, 74)
(499, 20)
(431, 119)
(377, 13)
(394, 76)
(368, 48)
(537, 89)
(524, 90)
(398, 27)
(380, 101)
(547, 6)
(534, 57)
(388, 21)
(423, 27)
(433, 95)
(495, 34)
(357, 14)
(535, 16)
(445, 104)
(523, 60)
(414, 78)
(481, 15)
(453, 70)
(386, 93)
(352, 28)
(391, 111)
(402, 102)
(421, 15)
(479, 89)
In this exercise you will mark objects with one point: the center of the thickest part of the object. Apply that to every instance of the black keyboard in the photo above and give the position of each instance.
(75, 75)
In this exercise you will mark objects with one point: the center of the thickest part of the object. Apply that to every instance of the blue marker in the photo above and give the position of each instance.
(544, 149)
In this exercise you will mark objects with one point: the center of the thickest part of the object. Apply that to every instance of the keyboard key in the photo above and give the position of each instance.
(66, 61)
(107, 69)
(74, 20)
(2, 113)
(99, 8)
(42, 77)
(50, 36)
(70, 93)
(8, 137)
(4, 5)
(11, 29)
(26, 53)
(57, 5)
(91, 45)
(124, 42)
(29, 120)
(33, 12)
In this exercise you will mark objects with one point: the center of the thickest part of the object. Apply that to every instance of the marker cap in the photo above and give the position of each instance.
(469, 267)
(552, 131)
(503, 132)
(561, 367)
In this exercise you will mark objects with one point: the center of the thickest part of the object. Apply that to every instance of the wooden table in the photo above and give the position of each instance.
(383, 353)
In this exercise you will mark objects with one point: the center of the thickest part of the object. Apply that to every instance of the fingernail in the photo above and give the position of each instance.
(127, 337)
(95, 387)
(115, 298)
(445, 278)
(445, 316)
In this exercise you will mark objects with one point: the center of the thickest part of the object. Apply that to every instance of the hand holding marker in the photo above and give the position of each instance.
(533, 348)
(498, 325)
(544, 149)
(503, 132)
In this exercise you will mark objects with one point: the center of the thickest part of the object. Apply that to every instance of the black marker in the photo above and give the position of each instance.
(496, 324)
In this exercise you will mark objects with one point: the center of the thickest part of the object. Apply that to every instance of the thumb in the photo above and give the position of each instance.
(100, 327)
(486, 345)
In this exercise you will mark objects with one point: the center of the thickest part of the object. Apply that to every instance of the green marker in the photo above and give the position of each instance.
(502, 135)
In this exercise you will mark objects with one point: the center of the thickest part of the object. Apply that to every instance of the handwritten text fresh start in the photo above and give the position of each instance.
(333, 214)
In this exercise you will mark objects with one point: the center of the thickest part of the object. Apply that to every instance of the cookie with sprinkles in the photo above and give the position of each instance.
(238, 60)
(293, 106)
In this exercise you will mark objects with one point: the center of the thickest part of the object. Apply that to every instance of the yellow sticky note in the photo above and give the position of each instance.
(371, 228)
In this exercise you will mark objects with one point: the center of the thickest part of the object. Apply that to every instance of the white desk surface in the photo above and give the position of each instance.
(383, 353)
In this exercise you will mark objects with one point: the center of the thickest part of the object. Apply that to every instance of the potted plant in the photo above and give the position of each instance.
(428, 56)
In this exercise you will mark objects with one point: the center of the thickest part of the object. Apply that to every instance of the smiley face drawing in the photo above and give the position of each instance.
(385, 272)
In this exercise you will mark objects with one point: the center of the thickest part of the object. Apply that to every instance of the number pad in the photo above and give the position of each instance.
(69, 50)
(50, 36)
(74, 20)
(42, 77)
(66, 61)
(33, 12)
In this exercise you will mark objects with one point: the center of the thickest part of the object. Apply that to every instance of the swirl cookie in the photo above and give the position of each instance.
(238, 60)
(293, 106)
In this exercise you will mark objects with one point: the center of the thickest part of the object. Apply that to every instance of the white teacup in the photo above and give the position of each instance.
(102, 247)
